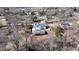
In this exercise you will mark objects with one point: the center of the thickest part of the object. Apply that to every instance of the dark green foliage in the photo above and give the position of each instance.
(42, 13)
(59, 31)
(33, 13)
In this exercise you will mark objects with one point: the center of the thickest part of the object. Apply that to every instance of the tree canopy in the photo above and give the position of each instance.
(59, 31)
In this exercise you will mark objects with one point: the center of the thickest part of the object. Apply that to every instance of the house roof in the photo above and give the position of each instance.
(39, 26)
(2, 17)
(51, 20)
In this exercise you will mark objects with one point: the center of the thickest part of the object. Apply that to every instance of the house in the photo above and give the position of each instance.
(39, 28)
(77, 22)
(76, 15)
(3, 21)
(42, 18)
(65, 25)
(52, 22)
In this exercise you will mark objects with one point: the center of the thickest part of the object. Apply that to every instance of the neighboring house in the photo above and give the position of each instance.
(3, 21)
(77, 22)
(52, 22)
(76, 15)
(65, 25)
(42, 18)
(39, 28)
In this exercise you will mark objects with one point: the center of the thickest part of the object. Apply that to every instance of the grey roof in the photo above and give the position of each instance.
(2, 17)
(39, 26)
